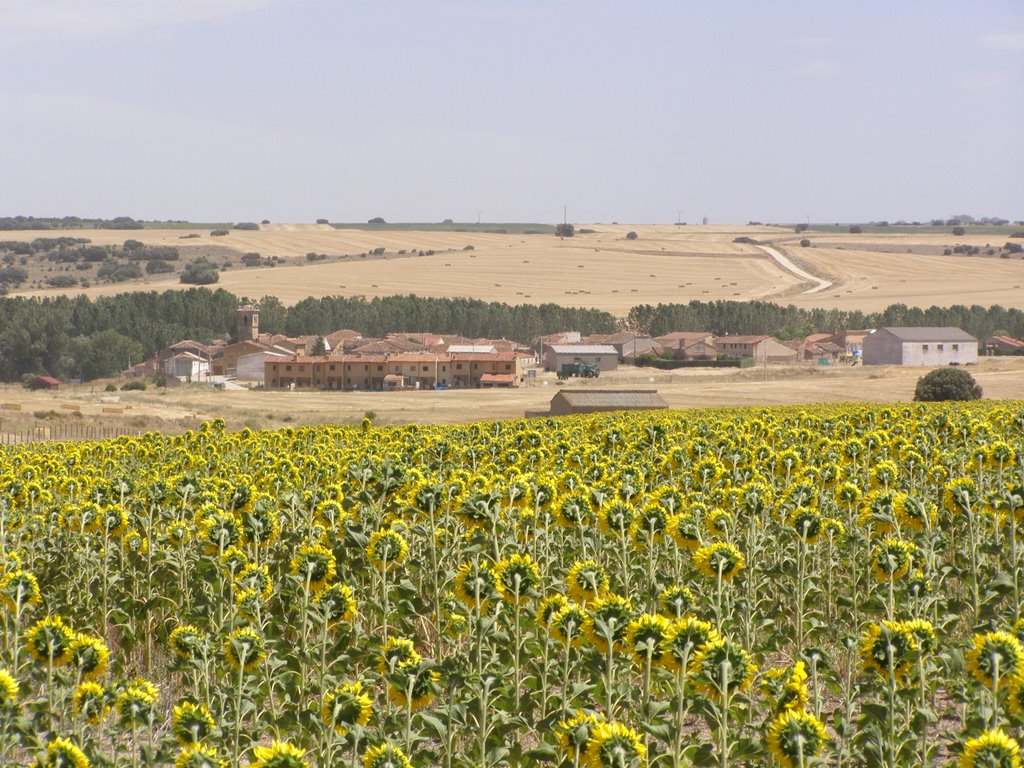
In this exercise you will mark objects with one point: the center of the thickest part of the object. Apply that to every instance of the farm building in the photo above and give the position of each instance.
(760, 348)
(689, 345)
(920, 346)
(628, 345)
(252, 367)
(588, 400)
(44, 382)
(188, 366)
(604, 356)
(1002, 345)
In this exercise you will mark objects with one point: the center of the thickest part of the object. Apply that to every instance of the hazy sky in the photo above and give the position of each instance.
(420, 110)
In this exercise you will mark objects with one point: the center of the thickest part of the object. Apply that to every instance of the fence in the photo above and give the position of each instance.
(62, 432)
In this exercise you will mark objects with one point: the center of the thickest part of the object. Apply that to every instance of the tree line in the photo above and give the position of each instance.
(91, 338)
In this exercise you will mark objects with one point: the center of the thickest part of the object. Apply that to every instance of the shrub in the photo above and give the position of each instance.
(958, 231)
(856, 229)
(1013, 247)
(745, 239)
(158, 267)
(61, 281)
(110, 388)
(251, 259)
(377, 220)
(200, 273)
(136, 385)
(947, 384)
(805, 243)
(565, 230)
(117, 272)
(247, 225)
(800, 228)
(219, 233)
(631, 235)
(322, 221)
(13, 275)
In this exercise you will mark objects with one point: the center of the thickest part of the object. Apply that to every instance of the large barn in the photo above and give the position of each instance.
(586, 400)
(920, 346)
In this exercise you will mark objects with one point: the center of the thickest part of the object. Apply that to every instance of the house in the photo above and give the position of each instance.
(689, 345)
(252, 367)
(188, 366)
(44, 382)
(629, 345)
(760, 348)
(570, 401)
(604, 356)
(1002, 345)
(920, 346)
(851, 341)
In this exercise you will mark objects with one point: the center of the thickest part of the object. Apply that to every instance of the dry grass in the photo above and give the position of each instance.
(603, 270)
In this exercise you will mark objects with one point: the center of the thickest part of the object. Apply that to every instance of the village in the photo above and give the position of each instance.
(346, 361)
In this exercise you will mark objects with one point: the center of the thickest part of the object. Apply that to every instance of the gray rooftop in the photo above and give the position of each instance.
(929, 333)
(583, 349)
(613, 398)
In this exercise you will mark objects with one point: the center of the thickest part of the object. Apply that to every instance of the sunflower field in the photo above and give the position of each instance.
(834, 585)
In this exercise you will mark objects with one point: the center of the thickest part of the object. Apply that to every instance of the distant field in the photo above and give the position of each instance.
(664, 264)
(512, 229)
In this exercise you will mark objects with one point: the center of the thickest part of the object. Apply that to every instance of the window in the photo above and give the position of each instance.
(940, 347)
(424, 367)
(956, 347)
(287, 367)
(924, 347)
(330, 367)
(458, 366)
(380, 367)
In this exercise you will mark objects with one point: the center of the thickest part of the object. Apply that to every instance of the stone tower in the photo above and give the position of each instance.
(248, 323)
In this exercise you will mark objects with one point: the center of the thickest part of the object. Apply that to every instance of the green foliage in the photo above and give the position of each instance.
(135, 385)
(13, 275)
(200, 272)
(565, 230)
(805, 243)
(248, 225)
(158, 267)
(947, 384)
(631, 235)
(118, 272)
(219, 233)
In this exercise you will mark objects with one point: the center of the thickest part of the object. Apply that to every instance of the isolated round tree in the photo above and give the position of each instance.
(947, 384)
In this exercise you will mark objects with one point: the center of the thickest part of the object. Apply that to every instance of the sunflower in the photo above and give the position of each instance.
(249, 603)
(233, 561)
(718, 522)
(721, 667)
(892, 559)
(49, 640)
(719, 558)
(386, 547)
(245, 649)
(336, 603)
(260, 523)
(188, 642)
(135, 543)
(586, 581)
(413, 685)
(19, 589)
(219, 532)
(192, 723)
(961, 495)
(8, 690)
(924, 634)
(684, 530)
(615, 518)
(136, 703)
(516, 577)
(199, 756)
(685, 637)
(614, 745)
(573, 735)
(1016, 698)
(992, 749)
(91, 702)
(794, 736)
(645, 638)
(573, 510)
(914, 514)
(676, 601)
(549, 606)
(280, 754)
(315, 565)
(62, 753)
(257, 578)
(89, 655)
(385, 755)
(888, 645)
(475, 584)
(566, 625)
(397, 652)
(608, 619)
(807, 523)
(345, 706)
(996, 658)
(649, 525)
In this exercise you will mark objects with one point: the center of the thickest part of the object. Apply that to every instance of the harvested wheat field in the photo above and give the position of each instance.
(602, 269)
(185, 407)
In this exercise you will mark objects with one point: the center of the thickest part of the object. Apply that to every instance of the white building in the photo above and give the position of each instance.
(920, 346)
(188, 366)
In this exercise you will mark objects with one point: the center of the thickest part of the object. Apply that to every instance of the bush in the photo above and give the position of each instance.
(805, 243)
(856, 229)
(200, 273)
(158, 267)
(61, 281)
(219, 233)
(565, 230)
(136, 385)
(958, 231)
(946, 384)
(1013, 247)
(247, 225)
(322, 221)
(800, 228)
(746, 240)
(117, 272)
(377, 220)
(631, 235)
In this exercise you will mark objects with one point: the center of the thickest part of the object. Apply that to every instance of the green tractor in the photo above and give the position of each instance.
(583, 370)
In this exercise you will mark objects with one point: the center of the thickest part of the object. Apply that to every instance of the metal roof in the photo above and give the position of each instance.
(929, 333)
(583, 349)
(612, 399)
